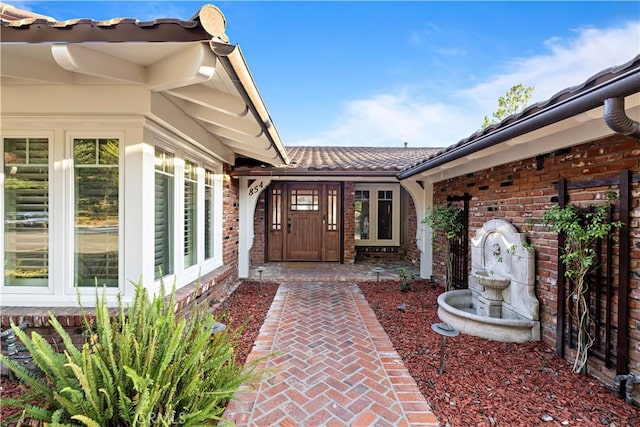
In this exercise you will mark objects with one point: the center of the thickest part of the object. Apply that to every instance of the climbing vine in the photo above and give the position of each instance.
(446, 221)
(581, 229)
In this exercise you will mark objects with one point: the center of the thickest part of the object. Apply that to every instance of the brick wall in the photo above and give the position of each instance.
(230, 220)
(349, 222)
(408, 251)
(208, 290)
(257, 253)
(526, 189)
(412, 254)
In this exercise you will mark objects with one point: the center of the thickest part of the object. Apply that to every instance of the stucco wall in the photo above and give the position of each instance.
(525, 189)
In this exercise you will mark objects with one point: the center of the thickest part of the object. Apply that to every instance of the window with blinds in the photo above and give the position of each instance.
(164, 215)
(26, 211)
(209, 191)
(96, 211)
(190, 213)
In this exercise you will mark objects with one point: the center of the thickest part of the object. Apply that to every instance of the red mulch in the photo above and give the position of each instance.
(485, 383)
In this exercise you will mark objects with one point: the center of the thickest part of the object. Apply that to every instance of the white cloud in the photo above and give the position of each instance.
(392, 118)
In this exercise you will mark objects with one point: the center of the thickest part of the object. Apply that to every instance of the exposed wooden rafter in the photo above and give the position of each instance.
(169, 115)
(212, 98)
(79, 59)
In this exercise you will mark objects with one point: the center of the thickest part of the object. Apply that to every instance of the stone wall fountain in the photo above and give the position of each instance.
(500, 303)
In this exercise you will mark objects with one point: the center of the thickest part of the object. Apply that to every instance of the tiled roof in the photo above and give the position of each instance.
(565, 96)
(37, 29)
(357, 158)
(348, 161)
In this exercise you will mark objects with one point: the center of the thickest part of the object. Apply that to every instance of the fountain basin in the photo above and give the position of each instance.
(493, 284)
(457, 309)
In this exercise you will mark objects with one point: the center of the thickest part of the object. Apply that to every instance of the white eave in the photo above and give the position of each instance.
(194, 92)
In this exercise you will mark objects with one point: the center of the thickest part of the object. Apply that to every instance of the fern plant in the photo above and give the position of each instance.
(145, 366)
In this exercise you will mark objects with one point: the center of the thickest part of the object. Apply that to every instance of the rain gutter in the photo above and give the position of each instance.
(620, 86)
(235, 65)
(318, 173)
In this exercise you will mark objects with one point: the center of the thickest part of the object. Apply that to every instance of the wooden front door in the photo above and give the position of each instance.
(303, 222)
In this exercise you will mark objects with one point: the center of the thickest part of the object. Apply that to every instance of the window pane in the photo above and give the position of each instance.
(26, 211)
(385, 215)
(276, 209)
(96, 218)
(304, 200)
(332, 210)
(362, 215)
(163, 214)
(209, 186)
(190, 210)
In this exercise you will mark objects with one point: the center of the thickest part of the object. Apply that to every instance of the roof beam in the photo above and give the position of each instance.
(269, 157)
(258, 145)
(170, 116)
(83, 60)
(23, 68)
(212, 98)
(246, 125)
(195, 64)
(232, 135)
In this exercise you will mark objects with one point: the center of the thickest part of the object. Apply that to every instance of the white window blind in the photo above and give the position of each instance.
(26, 211)
(164, 215)
(96, 211)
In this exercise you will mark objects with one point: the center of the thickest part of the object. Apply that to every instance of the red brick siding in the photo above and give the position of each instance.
(230, 220)
(518, 191)
(412, 254)
(210, 289)
(257, 252)
(349, 222)
(207, 290)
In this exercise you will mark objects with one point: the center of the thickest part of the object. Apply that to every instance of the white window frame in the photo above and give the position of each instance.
(373, 214)
(53, 188)
(61, 286)
(70, 288)
(183, 276)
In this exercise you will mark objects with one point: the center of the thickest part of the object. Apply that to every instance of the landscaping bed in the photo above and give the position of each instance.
(484, 382)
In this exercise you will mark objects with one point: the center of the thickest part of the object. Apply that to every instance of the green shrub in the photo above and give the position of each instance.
(145, 366)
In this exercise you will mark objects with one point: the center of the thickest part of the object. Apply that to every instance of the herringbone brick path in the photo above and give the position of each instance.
(332, 365)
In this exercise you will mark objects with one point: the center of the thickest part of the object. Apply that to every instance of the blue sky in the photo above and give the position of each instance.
(382, 73)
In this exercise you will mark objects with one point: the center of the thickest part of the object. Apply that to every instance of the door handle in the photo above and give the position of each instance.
(289, 227)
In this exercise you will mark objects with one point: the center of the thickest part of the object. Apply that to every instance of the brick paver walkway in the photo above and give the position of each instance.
(332, 364)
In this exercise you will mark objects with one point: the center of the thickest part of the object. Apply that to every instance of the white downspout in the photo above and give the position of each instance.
(249, 194)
